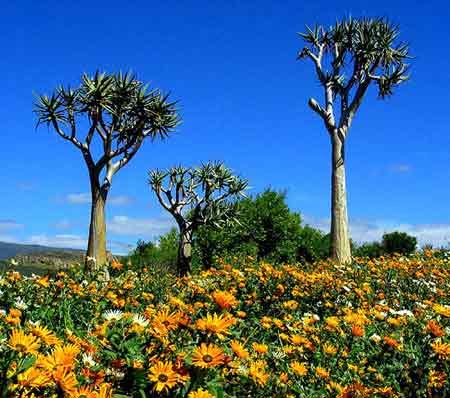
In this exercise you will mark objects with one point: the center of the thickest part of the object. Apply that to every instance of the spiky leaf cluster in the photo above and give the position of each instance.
(118, 108)
(198, 196)
(358, 51)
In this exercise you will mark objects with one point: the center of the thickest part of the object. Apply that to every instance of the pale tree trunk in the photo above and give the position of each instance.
(96, 252)
(340, 242)
(184, 252)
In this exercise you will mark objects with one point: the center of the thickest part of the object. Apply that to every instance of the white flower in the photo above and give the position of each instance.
(20, 304)
(402, 312)
(115, 374)
(375, 337)
(113, 315)
(88, 360)
(138, 319)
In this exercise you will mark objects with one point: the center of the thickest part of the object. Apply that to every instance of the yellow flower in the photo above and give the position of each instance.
(23, 343)
(208, 356)
(33, 377)
(332, 322)
(299, 368)
(46, 335)
(436, 379)
(443, 310)
(163, 375)
(257, 371)
(216, 324)
(61, 357)
(329, 349)
(200, 393)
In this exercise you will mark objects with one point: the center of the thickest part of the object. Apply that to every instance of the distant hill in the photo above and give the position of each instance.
(9, 250)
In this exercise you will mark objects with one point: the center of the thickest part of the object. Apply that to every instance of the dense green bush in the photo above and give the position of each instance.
(313, 244)
(399, 242)
(267, 228)
(393, 242)
(369, 249)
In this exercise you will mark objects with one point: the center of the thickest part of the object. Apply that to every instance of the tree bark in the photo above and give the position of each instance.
(184, 252)
(340, 242)
(96, 257)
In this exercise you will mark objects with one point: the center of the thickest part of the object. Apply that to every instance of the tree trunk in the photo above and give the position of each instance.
(184, 252)
(340, 242)
(96, 257)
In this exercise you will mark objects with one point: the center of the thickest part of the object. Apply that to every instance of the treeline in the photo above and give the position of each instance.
(265, 228)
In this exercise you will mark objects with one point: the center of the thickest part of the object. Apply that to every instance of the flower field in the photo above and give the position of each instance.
(377, 328)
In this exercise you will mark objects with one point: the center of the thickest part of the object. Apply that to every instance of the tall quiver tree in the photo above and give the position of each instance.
(348, 57)
(117, 111)
(197, 196)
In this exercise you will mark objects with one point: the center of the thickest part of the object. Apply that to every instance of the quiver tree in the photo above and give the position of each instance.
(197, 196)
(117, 111)
(349, 57)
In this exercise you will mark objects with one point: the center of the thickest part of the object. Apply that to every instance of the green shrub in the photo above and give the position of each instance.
(370, 250)
(267, 228)
(161, 254)
(313, 245)
(399, 242)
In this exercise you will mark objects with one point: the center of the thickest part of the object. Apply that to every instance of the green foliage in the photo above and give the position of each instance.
(370, 249)
(195, 197)
(393, 242)
(199, 195)
(399, 242)
(160, 255)
(267, 228)
(313, 244)
(358, 51)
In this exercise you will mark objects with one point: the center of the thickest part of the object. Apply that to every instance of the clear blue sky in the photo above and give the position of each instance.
(243, 96)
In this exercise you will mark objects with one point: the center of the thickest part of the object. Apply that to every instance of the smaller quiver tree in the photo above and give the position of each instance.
(198, 196)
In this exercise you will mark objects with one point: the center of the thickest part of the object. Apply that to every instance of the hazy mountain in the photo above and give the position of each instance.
(8, 250)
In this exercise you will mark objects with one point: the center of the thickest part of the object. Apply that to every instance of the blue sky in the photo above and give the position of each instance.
(243, 97)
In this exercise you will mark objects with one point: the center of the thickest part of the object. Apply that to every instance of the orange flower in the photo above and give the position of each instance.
(208, 356)
(224, 300)
(65, 379)
(239, 349)
(260, 348)
(358, 330)
(442, 350)
(392, 342)
(322, 373)
(435, 329)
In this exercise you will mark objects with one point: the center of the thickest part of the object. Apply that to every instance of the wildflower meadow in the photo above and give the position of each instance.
(375, 328)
